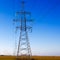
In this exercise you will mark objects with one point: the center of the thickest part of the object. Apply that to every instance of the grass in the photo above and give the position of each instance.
(33, 57)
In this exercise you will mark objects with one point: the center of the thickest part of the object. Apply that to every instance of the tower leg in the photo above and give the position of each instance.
(24, 50)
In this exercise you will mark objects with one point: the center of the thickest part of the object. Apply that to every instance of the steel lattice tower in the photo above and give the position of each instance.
(23, 44)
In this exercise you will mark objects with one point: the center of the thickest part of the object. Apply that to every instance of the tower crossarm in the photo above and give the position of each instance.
(31, 20)
(16, 20)
(23, 12)
(28, 28)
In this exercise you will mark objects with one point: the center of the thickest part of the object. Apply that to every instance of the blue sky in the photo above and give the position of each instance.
(45, 38)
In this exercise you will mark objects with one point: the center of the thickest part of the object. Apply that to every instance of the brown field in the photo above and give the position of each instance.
(33, 57)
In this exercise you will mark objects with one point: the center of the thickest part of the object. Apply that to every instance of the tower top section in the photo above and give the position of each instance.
(25, 22)
(22, 5)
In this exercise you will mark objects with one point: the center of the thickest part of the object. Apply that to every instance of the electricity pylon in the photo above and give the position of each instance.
(24, 48)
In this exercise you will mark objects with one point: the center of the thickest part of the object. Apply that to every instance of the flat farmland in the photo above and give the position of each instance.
(7, 57)
(33, 57)
(46, 57)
